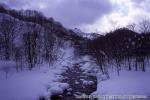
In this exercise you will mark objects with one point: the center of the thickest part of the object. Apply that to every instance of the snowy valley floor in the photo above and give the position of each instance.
(42, 81)
(128, 83)
(45, 81)
(30, 85)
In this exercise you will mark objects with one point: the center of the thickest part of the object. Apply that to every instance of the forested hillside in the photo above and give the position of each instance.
(27, 36)
(122, 45)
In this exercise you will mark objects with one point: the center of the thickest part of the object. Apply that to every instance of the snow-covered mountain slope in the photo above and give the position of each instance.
(85, 35)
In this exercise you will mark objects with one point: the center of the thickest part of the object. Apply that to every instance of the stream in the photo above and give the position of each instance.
(80, 84)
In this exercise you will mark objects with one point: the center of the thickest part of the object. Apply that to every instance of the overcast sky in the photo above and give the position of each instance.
(88, 15)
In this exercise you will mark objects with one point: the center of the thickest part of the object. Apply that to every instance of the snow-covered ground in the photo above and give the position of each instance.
(30, 85)
(26, 85)
(129, 83)
(33, 84)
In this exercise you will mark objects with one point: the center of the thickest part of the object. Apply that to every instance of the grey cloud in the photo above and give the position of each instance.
(142, 4)
(76, 12)
(17, 3)
(82, 13)
(69, 12)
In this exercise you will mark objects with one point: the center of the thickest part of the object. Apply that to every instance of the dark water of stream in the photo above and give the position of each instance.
(76, 78)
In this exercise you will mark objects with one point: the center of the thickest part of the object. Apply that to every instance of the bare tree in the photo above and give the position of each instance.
(144, 26)
(30, 47)
(131, 27)
(48, 46)
(7, 27)
(18, 58)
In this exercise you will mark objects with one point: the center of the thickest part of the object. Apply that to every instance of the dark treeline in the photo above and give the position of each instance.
(33, 16)
(122, 45)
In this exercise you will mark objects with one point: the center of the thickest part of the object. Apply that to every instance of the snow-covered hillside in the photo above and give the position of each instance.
(86, 35)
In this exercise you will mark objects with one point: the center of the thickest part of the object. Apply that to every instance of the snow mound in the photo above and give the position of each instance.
(30, 85)
(85, 82)
(128, 83)
(57, 88)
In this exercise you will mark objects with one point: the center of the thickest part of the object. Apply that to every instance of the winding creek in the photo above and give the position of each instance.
(80, 84)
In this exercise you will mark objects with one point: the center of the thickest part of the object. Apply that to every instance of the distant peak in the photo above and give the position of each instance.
(4, 5)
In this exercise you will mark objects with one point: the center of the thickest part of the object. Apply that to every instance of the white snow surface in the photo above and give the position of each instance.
(32, 84)
(128, 83)
(85, 82)
(88, 65)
